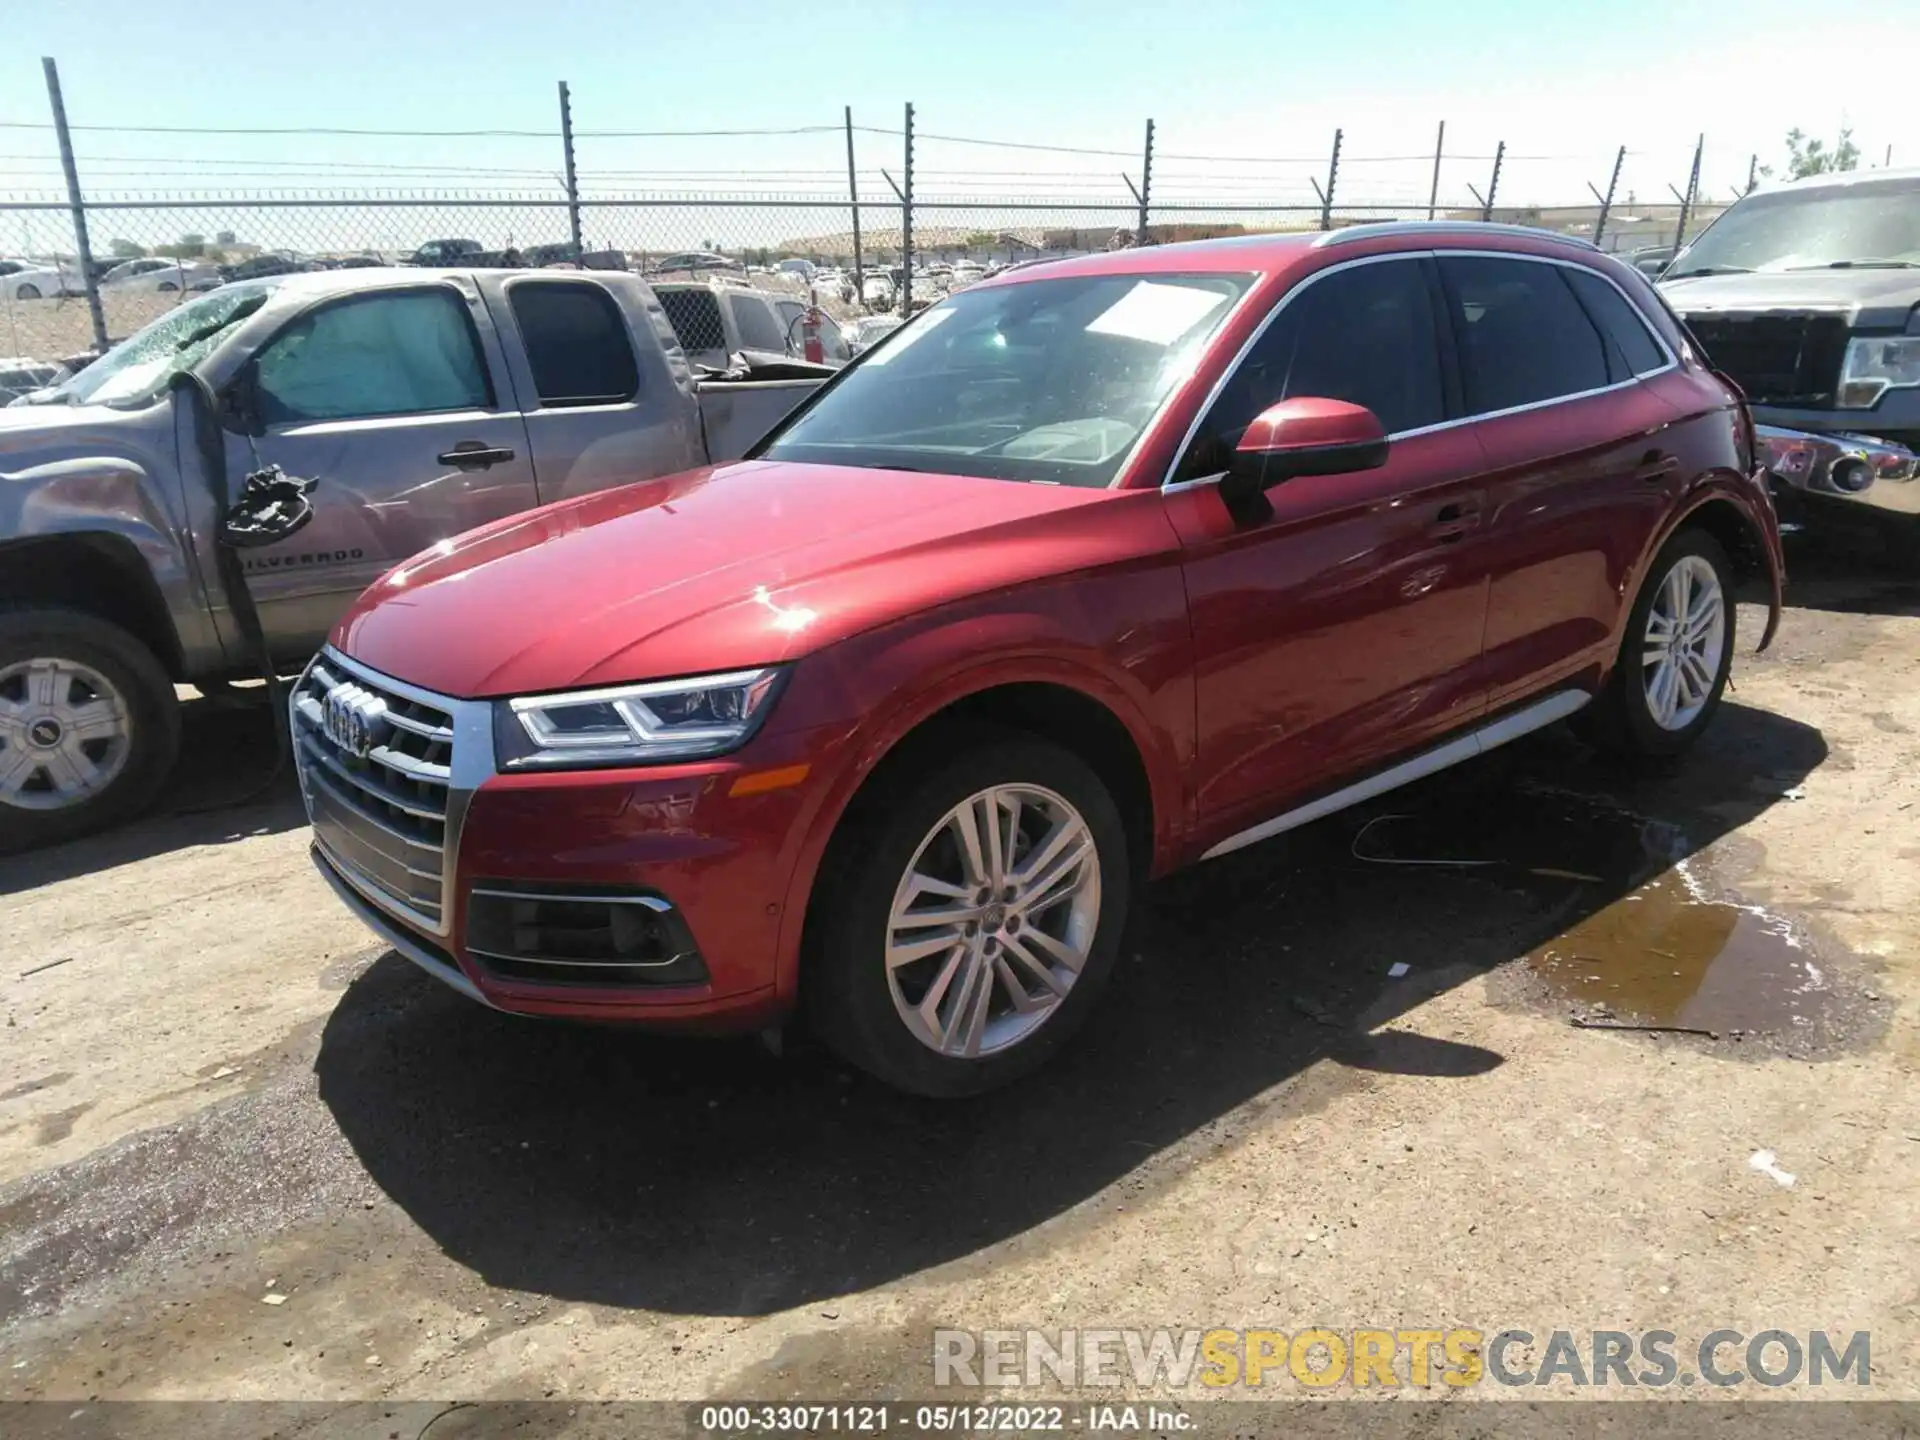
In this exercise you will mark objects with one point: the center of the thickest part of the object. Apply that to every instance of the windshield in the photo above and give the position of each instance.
(1841, 225)
(139, 368)
(1050, 380)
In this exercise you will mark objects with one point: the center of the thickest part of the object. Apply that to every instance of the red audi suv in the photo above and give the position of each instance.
(1091, 571)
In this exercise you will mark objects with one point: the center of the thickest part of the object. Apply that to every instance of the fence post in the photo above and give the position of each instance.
(1606, 200)
(906, 222)
(1146, 185)
(74, 200)
(1686, 200)
(853, 200)
(1753, 172)
(573, 186)
(1333, 177)
(1493, 185)
(1439, 149)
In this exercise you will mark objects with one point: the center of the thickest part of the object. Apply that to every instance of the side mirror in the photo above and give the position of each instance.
(240, 408)
(1304, 436)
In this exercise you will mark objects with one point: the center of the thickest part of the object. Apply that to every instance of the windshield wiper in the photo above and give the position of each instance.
(1861, 265)
(1710, 270)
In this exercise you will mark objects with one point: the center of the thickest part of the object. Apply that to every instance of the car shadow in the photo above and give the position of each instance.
(708, 1177)
(225, 787)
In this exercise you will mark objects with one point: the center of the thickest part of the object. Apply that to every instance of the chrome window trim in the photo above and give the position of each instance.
(1168, 485)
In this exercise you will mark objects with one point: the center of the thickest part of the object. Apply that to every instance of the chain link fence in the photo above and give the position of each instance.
(769, 221)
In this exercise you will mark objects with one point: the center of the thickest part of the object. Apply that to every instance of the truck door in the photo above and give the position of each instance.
(594, 417)
(387, 400)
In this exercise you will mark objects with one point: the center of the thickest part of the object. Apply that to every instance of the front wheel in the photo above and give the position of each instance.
(975, 923)
(27, 292)
(89, 726)
(1675, 656)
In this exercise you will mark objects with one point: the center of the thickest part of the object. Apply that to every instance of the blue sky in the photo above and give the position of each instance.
(1562, 85)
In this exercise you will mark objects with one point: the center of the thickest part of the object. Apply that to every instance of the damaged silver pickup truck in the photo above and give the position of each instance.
(157, 524)
(1807, 296)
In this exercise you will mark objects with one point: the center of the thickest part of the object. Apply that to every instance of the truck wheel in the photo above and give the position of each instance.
(1675, 656)
(89, 726)
(977, 921)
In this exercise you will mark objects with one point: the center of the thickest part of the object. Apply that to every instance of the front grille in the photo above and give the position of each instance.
(1776, 359)
(378, 798)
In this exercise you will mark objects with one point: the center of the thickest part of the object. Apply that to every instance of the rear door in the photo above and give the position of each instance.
(1580, 466)
(387, 401)
(590, 418)
(1347, 627)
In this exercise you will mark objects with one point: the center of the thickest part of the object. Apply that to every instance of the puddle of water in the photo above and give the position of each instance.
(1664, 950)
(1667, 954)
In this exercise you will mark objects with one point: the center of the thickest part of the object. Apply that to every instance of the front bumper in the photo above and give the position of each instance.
(1856, 469)
(688, 838)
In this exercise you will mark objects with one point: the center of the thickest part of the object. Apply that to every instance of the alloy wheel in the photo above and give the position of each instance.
(65, 734)
(1685, 642)
(993, 920)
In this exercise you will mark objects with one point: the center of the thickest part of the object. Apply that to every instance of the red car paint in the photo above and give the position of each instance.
(1253, 666)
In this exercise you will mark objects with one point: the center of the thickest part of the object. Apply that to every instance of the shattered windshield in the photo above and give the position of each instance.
(136, 370)
(1862, 224)
(1045, 380)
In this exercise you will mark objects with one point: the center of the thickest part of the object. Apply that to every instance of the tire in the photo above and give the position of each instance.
(61, 667)
(27, 292)
(874, 1015)
(1625, 720)
(166, 287)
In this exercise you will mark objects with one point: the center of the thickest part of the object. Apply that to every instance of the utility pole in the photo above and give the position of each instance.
(853, 200)
(1333, 178)
(1439, 149)
(573, 185)
(1606, 200)
(78, 205)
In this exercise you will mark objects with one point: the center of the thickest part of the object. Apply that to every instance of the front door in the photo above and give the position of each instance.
(1346, 628)
(386, 401)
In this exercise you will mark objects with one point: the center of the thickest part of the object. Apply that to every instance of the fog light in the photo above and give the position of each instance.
(1851, 474)
(554, 934)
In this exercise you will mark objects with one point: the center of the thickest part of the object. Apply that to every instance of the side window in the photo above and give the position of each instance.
(576, 341)
(398, 353)
(1524, 338)
(759, 330)
(833, 345)
(1617, 318)
(1365, 335)
(695, 316)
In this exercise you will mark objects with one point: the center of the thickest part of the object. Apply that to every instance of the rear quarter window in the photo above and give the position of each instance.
(1621, 322)
(577, 345)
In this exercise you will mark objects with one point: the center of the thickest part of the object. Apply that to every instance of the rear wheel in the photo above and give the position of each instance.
(89, 726)
(976, 921)
(1675, 656)
(27, 291)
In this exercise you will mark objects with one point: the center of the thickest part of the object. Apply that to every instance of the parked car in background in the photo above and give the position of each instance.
(877, 291)
(259, 267)
(1092, 572)
(795, 269)
(864, 333)
(155, 273)
(693, 260)
(715, 320)
(420, 403)
(447, 252)
(1807, 296)
(37, 280)
(21, 376)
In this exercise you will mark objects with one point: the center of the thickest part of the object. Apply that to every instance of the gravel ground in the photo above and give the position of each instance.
(223, 1089)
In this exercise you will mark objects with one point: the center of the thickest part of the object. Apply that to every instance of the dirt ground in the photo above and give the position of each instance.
(216, 1088)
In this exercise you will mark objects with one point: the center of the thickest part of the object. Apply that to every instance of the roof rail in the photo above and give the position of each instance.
(1367, 228)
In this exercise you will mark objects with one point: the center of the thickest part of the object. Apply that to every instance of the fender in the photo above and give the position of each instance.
(1756, 513)
(964, 674)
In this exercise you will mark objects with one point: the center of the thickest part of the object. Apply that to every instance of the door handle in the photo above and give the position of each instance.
(1452, 521)
(1655, 466)
(474, 455)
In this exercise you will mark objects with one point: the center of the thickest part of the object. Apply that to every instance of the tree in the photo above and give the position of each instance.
(1807, 155)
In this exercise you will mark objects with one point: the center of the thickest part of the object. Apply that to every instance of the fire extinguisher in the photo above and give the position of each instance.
(810, 336)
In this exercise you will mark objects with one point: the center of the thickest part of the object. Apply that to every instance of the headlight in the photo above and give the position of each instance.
(635, 724)
(1876, 364)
